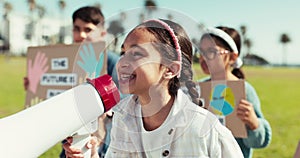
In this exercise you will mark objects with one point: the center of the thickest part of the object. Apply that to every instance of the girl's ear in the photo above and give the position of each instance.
(172, 70)
(233, 58)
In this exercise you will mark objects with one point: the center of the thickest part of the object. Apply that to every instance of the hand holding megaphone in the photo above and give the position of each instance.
(32, 131)
(85, 145)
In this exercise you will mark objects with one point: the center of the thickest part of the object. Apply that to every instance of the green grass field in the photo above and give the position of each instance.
(277, 87)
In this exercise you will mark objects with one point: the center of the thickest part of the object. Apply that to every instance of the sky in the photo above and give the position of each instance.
(265, 20)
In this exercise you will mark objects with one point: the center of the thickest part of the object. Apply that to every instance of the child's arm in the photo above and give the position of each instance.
(261, 136)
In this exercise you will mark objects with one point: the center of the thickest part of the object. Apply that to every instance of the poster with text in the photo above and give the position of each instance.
(222, 98)
(55, 68)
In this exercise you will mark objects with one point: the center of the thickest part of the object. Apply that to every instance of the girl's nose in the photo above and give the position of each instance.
(123, 63)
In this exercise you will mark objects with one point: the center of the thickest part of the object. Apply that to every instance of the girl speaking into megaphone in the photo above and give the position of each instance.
(158, 119)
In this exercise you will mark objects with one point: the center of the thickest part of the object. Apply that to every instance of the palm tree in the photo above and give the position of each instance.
(123, 16)
(7, 6)
(32, 4)
(7, 9)
(41, 11)
(150, 6)
(284, 40)
(243, 30)
(30, 27)
(116, 29)
(246, 41)
(37, 13)
(61, 36)
(196, 42)
(142, 17)
(62, 4)
(201, 26)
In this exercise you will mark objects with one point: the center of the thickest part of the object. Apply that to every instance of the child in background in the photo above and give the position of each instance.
(86, 20)
(220, 48)
(159, 120)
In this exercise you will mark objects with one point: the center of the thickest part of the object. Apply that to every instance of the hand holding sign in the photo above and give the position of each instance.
(89, 62)
(246, 113)
(36, 70)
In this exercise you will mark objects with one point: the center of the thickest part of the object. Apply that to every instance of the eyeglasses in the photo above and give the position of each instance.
(211, 53)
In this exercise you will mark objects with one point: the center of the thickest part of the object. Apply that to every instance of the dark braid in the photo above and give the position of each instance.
(187, 76)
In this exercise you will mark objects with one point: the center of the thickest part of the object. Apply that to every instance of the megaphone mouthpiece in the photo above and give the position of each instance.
(107, 90)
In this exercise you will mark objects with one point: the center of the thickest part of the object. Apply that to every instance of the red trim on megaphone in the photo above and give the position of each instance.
(107, 89)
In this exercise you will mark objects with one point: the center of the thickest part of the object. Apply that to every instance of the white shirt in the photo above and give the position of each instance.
(189, 131)
(152, 141)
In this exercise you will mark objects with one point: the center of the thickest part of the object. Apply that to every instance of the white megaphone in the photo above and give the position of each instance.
(31, 132)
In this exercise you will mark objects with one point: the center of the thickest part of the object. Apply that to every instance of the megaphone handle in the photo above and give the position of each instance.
(80, 141)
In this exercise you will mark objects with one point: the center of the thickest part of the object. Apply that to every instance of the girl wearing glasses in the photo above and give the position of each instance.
(220, 49)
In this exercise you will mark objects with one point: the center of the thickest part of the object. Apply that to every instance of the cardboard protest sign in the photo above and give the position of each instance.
(222, 98)
(56, 68)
